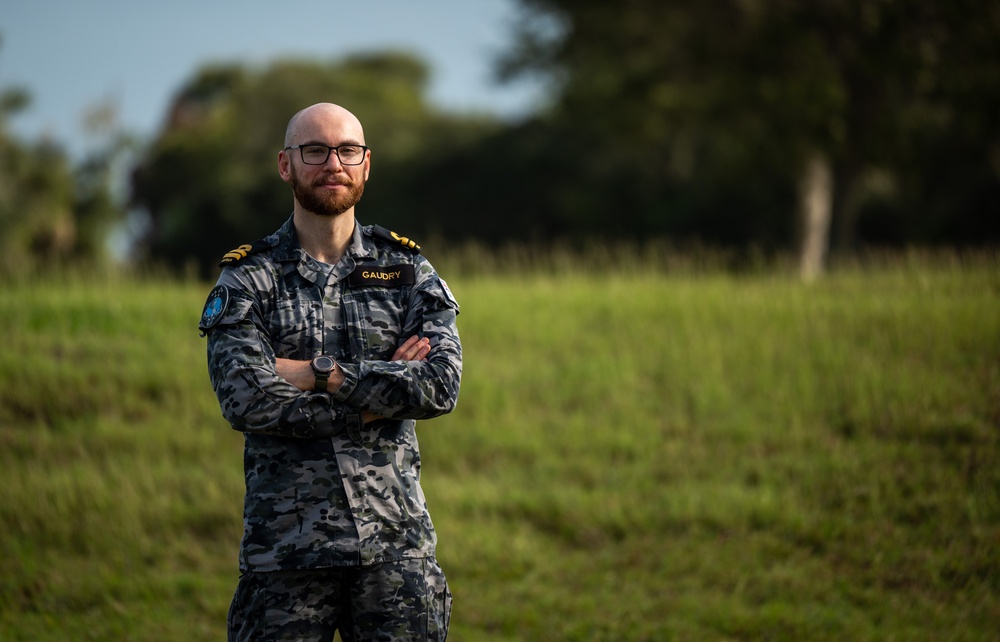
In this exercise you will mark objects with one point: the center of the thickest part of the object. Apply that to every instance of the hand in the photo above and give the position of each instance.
(299, 373)
(413, 349)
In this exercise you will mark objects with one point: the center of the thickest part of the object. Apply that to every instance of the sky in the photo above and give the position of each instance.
(72, 55)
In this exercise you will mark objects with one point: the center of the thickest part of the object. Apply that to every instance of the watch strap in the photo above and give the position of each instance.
(322, 372)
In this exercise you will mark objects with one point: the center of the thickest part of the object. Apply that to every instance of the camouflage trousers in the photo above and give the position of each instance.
(398, 601)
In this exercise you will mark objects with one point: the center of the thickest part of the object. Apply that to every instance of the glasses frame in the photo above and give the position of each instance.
(336, 150)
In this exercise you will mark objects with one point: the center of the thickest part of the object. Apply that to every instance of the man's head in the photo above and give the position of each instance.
(331, 187)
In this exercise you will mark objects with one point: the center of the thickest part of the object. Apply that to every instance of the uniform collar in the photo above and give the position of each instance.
(286, 245)
(287, 249)
(362, 247)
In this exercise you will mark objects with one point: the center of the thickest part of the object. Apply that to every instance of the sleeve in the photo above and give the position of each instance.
(413, 389)
(253, 398)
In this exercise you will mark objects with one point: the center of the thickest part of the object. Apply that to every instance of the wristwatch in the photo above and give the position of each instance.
(322, 367)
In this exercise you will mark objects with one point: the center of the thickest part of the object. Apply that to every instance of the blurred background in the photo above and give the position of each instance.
(148, 133)
(647, 447)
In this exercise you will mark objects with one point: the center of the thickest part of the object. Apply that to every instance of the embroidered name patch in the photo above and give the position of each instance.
(389, 276)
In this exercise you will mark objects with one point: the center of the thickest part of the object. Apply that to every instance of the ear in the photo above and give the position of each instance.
(284, 166)
(368, 164)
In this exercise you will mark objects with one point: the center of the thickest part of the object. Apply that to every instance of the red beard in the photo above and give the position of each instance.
(325, 202)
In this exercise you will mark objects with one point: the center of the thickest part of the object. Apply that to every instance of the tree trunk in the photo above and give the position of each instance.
(815, 211)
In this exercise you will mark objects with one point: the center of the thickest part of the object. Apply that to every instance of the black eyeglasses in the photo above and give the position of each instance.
(315, 154)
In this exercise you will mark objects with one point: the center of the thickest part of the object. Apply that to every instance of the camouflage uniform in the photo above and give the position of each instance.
(411, 595)
(323, 489)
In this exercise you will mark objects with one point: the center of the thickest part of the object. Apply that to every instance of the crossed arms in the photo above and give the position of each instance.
(263, 394)
(300, 373)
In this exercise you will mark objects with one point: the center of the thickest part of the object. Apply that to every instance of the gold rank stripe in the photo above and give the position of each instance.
(405, 241)
(237, 254)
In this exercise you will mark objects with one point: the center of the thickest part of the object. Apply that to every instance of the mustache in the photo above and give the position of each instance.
(322, 181)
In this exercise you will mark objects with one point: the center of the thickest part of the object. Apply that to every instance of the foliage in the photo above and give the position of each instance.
(36, 203)
(723, 100)
(210, 180)
(666, 119)
(51, 211)
(638, 454)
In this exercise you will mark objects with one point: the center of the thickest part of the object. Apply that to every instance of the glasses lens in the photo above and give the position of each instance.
(351, 154)
(315, 154)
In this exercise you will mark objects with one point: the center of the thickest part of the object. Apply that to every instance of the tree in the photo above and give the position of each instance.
(51, 212)
(36, 197)
(826, 94)
(98, 196)
(209, 180)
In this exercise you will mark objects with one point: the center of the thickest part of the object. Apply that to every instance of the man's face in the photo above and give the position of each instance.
(332, 188)
(326, 190)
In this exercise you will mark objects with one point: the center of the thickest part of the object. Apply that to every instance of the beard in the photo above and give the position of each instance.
(325, 202)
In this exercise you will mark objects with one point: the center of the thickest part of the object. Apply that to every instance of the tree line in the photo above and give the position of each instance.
(53, 210)
(775, 125)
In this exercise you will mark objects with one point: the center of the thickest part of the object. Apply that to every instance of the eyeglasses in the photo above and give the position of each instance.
(315, 154)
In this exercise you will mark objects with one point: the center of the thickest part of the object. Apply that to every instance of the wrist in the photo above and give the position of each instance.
(324, 368)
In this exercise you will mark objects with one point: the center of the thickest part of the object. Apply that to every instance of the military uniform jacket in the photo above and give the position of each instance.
(323, 488)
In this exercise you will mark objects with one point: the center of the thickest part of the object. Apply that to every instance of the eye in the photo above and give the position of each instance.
(314, 151)
(350, 151)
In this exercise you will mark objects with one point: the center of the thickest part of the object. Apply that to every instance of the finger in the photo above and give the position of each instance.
(420, 350)
(417, 351)
(403, 351)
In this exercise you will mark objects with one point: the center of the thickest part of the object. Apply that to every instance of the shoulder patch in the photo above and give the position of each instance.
(242, 252)
(215, 306)
(387, 235)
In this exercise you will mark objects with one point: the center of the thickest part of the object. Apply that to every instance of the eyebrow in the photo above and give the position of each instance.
(319, 142)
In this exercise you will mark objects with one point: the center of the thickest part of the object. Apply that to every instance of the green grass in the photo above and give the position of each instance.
(647, 454)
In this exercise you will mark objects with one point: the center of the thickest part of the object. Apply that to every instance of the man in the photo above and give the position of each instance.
(326, 341)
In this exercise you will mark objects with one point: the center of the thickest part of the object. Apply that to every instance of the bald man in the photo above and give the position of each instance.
(327, 340)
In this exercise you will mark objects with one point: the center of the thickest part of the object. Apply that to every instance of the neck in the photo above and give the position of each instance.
(325, 238)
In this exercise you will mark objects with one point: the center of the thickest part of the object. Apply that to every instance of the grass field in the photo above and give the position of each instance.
(636, 455)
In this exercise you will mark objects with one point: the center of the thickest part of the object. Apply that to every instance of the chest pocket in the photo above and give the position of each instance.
(375, 317)
(296, 328)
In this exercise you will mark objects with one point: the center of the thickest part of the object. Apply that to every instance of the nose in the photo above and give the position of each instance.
(334, 160)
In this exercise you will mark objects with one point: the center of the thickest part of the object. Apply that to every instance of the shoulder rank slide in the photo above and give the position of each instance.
(392, 237)
(242, 252)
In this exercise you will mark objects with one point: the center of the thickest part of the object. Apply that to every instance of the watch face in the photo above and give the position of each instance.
(323, 364)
